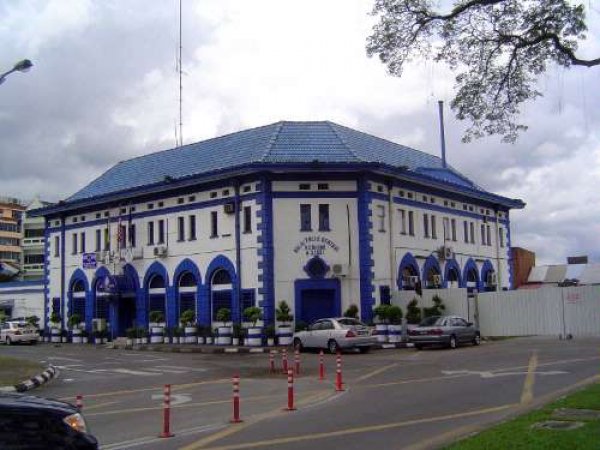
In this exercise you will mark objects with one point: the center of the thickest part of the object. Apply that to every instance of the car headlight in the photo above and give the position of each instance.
(77, 422)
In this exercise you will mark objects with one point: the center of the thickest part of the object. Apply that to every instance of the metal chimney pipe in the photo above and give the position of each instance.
(442, 135)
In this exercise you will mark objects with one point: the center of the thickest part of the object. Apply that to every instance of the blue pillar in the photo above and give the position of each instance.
(268, 252)
(365, 251)
(140, 308)
(89, 310)
(171, 307)
(203, 306)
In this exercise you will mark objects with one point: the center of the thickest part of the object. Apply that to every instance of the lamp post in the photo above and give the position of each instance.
(21, 66)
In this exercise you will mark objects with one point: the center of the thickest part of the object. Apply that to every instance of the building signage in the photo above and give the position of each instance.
(89, 261)
(315, 245)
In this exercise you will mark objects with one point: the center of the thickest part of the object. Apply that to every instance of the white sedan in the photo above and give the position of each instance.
(336, 334)
(12, 332)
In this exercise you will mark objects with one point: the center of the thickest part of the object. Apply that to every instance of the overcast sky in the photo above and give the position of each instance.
(105, 88)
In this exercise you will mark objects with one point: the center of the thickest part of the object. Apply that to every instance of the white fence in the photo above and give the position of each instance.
(545, 311)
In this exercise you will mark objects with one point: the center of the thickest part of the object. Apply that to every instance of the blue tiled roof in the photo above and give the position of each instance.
(278, 143)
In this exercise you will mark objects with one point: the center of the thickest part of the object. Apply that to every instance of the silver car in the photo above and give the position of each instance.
(12, 332)
(449, 331)
(336, 334)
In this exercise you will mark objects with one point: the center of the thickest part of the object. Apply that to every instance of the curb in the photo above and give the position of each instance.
(38, 380)
(196, 349)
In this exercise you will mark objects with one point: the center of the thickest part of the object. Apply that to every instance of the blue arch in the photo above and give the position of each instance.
(187, 265)
(430, 263)
(219, 262)
(156, 268)
(79, 275)
(485, 269)
(451, 264)
(470, 266)
(101, 273)
(130, 272)
(408, 261)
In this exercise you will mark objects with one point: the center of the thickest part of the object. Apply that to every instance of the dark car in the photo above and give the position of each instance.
(35, 423)
(449, 331)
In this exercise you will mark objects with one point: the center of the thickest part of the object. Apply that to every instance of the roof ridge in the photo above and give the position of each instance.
(276, 132)
(350, 149)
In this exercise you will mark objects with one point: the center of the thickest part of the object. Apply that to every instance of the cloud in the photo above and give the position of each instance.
(104, 88)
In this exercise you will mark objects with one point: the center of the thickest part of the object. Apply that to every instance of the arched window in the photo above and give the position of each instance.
(157, 294)
(221, 276)
(453, 278)
(101, 306)
(78, 299)
(187, 288)
(221, 292)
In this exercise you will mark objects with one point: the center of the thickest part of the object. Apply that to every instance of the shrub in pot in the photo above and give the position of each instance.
(254, 314)
(284, 330)
(55, 330)
(395, 326)
(187, 318)
(270, 335)
(73, 322)
(351, 312)
(382, 314)
(224, 332)
(236, 333)
(130, 334)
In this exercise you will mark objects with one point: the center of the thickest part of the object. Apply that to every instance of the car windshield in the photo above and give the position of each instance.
(431, 321)
(350, 323)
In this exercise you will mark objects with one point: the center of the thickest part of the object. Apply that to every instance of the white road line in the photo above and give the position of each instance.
(65, 359)
(131, 372)
(187, 369)
(165, 370)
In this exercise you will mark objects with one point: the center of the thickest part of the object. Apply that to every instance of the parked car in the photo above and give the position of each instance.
(35, 423)
(335, 334)
(13, 331)
(449, 331)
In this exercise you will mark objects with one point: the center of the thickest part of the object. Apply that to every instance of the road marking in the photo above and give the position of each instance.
(184, 368)
(130, 372)
(486, 374)
(176, 399)
(527, 395)
(99, 405)
(156, 388)
(232, 429)
(64, 358)
(356, 430)
(165, 370)
(376, 372)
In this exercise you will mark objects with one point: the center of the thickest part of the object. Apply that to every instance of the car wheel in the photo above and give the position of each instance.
(477, 339)
(452, 343)
(8, 342)
(298, 345)
(333, 347)
(364, 349)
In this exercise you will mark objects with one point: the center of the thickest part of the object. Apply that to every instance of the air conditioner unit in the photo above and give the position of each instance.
(229, 208)
(448, 253)
(411, 281)
(340, 270)
(161, 251)
(437, 280)
(492, 279)
(104, 257)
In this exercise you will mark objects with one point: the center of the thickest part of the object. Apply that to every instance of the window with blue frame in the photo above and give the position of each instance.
(101, 307)
(305, 218)
(56, 305)
(384, 295)
(248, 298)
(157, 300)
(324, 218)
(220, 299)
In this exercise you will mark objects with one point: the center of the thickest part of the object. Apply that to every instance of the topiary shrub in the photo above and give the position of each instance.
(413, 312)
(352, 312)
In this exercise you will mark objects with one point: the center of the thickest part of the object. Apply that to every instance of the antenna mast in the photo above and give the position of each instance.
(442, 134)
(180, 83)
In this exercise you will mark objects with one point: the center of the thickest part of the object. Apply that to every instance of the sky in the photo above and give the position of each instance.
(105, 88)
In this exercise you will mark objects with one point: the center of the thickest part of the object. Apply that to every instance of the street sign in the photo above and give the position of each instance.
(89, 261)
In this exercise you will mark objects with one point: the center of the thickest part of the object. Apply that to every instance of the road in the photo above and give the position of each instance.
(393, 398)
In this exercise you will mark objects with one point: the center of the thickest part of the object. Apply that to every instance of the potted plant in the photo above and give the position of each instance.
(413, 312)
(395, 326)
(236, 334)
(177, 332)
(64, 336)
(73, 323)
(201, 333)
(352, 312)
(284, 330)
(208, 335)
(157, 319)
(84, 336)
(130, 334)
(144, 335)
(224, 331)
(167, 334)
(187, 319)
(55, 327)
(437, 309)
(270, 334)
(254, 314)
(381, 328)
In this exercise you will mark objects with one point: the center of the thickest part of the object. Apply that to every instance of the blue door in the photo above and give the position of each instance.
(316, 299)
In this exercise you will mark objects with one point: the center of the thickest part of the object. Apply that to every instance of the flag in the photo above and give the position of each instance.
(119, 235)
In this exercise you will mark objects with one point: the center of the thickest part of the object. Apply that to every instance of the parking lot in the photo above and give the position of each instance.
(400, 398)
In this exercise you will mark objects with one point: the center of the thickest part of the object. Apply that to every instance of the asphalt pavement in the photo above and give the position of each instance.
(400, 398)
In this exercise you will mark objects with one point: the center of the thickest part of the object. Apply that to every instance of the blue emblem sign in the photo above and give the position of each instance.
(89, 261)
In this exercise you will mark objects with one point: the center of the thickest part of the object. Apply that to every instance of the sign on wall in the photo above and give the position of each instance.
(315, 245)
(89, 261)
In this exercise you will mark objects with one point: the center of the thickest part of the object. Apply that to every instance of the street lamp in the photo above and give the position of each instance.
(21, 66)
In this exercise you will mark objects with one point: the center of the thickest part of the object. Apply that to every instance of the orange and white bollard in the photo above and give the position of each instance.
(321, 366)
(290, 405)
(272, 361)
(79, 402)
(236, 400)
(284, 361)
(166, 433)
(297, 362)
(339, 385)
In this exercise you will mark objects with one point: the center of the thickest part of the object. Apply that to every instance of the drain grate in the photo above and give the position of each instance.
(557, 425)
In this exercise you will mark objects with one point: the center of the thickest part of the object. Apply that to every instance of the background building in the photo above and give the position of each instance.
(33, 243)
(313, 213)
(11, 253)
(524, 260)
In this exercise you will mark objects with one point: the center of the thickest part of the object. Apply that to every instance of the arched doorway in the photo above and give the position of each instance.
(489, 279)
(157, 294)
(221, 292)
(432, 275)
(77, 296)
(452, 278)
(187, 289)
(471, 276)
(408, 273)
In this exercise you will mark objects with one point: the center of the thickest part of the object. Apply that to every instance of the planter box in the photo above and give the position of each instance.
(254, 338)
(284, 335)
(224, 337)
(156, 334)
(76, 336)
(55, 335)
(381, 330)
(84, 339)
(190, 335)
(129, 342)
(235, 341)
(270, 342)
(209, 339)
(394, 333)
(200, 340)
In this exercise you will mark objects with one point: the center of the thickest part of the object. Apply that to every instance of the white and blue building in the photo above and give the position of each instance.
(313, 213)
